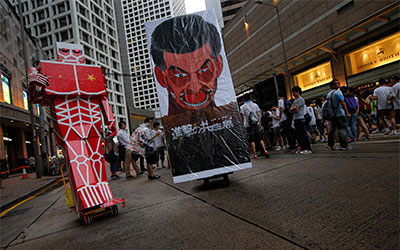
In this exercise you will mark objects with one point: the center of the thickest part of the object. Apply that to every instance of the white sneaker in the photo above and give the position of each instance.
(375, 131)
(394, 132)
(306, 152)
(277, 148)
(345, 149)
(386, 131)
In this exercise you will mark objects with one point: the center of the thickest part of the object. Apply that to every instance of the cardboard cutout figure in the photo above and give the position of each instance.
(77, 96)
(199, 111)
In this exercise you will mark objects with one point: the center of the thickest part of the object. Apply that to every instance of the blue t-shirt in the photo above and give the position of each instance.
(337, 96)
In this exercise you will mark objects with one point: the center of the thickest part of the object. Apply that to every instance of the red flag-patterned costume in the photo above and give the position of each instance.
(77, 95)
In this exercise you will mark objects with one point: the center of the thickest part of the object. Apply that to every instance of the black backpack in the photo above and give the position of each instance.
(328, 112)
(287, 104)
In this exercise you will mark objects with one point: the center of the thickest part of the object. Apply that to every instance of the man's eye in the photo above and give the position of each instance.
(203, 70)
(180, 75)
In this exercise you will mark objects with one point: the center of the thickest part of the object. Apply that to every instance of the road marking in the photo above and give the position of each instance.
(28, 199)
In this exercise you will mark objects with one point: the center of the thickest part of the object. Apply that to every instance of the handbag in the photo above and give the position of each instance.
(110, 156)
(149, 151)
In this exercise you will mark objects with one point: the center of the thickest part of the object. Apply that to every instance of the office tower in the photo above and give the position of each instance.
(230, 7)
(87, 22)
(136, 14)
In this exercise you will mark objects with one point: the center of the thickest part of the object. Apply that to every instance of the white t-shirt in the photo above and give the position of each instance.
(281, 104)
(158, 139)
(396, 95)
(313, 121)
(382, 93)
(246, 108)
(275, 123)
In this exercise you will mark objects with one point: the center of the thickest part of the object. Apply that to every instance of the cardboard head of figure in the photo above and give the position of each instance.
(186, 52)
(70, 53)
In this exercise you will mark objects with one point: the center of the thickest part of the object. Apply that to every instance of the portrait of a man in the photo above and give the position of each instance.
(197, 100)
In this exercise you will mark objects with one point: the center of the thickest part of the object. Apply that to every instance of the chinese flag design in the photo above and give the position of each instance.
(61, 77)
(90, 78)
(71, 78)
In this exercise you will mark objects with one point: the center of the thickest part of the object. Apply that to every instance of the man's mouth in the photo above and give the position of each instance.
(191, 100)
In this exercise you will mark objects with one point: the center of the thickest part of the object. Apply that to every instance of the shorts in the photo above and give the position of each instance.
(313, 129)
(253, 134)
(320, 126)
(277, 132)
(386, 114)
(152, 159)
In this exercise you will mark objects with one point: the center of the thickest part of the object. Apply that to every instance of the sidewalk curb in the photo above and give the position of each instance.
(56, 182)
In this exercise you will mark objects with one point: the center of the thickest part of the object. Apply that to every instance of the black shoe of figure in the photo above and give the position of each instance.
(140, 173)
(154, 177)
(130, 177)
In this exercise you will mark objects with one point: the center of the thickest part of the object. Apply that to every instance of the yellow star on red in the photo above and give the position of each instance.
(91, 78)
(59, 76)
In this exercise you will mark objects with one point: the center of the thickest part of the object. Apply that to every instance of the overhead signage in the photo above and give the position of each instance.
(374, 55)
(314, 77)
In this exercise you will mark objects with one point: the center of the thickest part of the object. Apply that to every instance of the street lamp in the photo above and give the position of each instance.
(280, 31)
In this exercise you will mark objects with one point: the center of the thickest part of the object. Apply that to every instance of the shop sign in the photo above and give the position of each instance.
(373, 55)
(314, 77)
(6, 89)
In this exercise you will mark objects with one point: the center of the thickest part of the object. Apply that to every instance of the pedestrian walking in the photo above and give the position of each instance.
(385, 109)
(276, 119)
(160, 145)
(395, 80)
(352, 107)
(312, 123)
(111, 154)
(299, 109)
(286, 118)
(251, 119)
(338, 123)
(320, 121)
(125, 149)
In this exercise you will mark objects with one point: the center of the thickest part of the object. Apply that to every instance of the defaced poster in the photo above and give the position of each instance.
(200, 115)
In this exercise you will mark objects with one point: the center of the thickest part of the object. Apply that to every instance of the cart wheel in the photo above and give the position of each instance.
(114, 210)
(226, 180)
(88, 219)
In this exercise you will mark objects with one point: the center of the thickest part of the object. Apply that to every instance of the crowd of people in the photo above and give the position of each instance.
(344, 115)
(295, 125)
(146, 142)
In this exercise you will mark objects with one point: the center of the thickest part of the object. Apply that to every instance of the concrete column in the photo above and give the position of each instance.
(338, 68)
(2, 149)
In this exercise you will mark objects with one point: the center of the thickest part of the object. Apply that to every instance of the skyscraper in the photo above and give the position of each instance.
(230, 7)
(136, 14)
(87, 22)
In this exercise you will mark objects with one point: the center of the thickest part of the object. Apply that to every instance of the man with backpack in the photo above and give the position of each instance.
(286, 118)
(335, 110)
(251, 118)
(352, 107)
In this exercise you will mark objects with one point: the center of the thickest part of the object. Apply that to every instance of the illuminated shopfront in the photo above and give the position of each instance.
(374, 55)
(314, 77)
(380, 59)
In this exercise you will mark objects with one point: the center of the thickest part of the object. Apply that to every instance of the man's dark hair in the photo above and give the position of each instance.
(120, 124)
(333, 82)
(382, 81)
(396, 78)
(148, 119)
(183, 34)
(297, 89)
(156, 124)
(246, 97)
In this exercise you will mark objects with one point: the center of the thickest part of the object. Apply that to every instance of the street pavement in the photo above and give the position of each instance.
(17, 188)
(326, 200)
